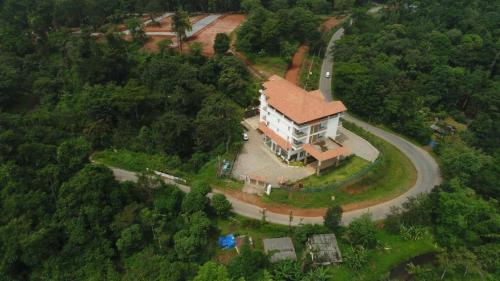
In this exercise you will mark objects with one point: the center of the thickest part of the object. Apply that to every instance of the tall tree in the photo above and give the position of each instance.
(221, 44)
(181, 25)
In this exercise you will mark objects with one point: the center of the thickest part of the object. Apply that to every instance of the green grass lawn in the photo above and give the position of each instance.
(208, 173)
(391, 177)
(348, 168)
(273, 64)
(393, 252)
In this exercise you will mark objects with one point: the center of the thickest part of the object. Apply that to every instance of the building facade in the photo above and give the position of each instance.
(297, 124)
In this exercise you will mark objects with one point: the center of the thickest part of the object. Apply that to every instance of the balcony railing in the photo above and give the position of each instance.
(298, 134)
(297, 142)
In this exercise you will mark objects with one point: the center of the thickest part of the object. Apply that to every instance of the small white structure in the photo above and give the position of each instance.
(297, 124)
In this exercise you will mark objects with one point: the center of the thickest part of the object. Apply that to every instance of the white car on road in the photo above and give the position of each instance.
(327, 75)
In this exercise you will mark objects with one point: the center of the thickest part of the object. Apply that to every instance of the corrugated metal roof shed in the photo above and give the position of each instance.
(324, 249)
(280, 249)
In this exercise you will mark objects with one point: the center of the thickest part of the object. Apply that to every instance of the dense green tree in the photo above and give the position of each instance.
(194, 202)
(221, 205)
(136, 30)
(247, 264)
(211, 271)
(248, 5)
(221, 44)
(73, 154)
(217, 123)
(130, 239)
(464, 219)
(181, 25)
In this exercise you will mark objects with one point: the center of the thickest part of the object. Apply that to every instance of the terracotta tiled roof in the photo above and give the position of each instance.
(298, 104)
(327, 155)
(274, 136)
(317, 94)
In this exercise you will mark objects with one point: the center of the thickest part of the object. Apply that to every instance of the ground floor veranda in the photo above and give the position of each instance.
(320, 155)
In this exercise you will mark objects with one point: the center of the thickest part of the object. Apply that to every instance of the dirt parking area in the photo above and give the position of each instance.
(152, 44)
(224, 24)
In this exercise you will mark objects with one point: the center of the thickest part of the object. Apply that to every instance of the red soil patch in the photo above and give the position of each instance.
(275, 208)
(224, 24)
(293, 72)
(286, 209)
(331, 23)
(152, 44)
(166, 24)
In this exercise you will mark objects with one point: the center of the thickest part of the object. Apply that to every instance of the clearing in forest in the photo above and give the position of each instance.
(206, 36)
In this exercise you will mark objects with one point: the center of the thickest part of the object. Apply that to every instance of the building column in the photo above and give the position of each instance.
(318, 168)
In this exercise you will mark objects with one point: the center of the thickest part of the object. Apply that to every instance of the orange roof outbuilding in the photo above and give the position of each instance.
(327, 155)
(298, 104)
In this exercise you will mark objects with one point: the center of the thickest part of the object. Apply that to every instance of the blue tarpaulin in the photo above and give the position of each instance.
(227, 242)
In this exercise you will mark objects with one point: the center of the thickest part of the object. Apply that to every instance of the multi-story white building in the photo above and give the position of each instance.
(299, 125)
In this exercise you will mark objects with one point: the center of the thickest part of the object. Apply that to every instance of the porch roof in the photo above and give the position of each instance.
(325, 155)
(274, 136)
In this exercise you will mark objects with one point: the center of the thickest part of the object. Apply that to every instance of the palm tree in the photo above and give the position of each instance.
(181, 25)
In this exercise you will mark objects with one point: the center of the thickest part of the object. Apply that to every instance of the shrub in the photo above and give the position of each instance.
(411, 232)
(362, 231)
(333, 217)
(356, 259)
(301, 233)
(194, 202)
(221, 205)
(202, 187)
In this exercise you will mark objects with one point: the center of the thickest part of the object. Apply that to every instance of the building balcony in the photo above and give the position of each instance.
(297, 142)
(298, 134)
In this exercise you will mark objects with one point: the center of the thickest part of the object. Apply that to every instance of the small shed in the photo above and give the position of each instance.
(280, 249)
(324, 249)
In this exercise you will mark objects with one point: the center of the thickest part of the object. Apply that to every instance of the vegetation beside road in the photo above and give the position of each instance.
(391, 176)
(136, 161)
(141, 162)
(346, 169)
(268, 64)
(393, 251)
(310, 71)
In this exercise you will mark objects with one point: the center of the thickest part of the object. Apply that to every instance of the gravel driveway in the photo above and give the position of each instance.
(257, 159)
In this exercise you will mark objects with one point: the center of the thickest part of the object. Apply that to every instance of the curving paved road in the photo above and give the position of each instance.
(428, 174)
